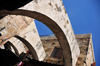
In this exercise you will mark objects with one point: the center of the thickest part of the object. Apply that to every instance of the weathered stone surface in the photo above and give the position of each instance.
(86, 57)
(86, 54)
(53, 14)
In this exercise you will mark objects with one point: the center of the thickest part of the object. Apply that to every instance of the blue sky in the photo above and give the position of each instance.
(84, 16)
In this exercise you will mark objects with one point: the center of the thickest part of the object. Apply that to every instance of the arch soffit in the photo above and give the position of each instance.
(29, 46)
(11, 44)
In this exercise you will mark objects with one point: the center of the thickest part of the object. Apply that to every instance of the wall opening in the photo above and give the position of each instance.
(50, 43)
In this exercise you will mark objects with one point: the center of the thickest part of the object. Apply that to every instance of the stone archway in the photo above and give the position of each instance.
(29, 46)
(8, 45)
(52, 25)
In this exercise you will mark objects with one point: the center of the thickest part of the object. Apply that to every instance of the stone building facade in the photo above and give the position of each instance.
(86, 57)
(19, 29)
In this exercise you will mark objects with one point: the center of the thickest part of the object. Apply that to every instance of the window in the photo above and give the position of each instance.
(57, 53)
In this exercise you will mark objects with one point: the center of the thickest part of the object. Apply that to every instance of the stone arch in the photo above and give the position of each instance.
(29, 46)
(8, 45)
(52, 25)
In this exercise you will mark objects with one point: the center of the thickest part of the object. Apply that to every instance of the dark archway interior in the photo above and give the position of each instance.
(8, 58)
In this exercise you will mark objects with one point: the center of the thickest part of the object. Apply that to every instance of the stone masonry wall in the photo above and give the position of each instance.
(86, 57)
